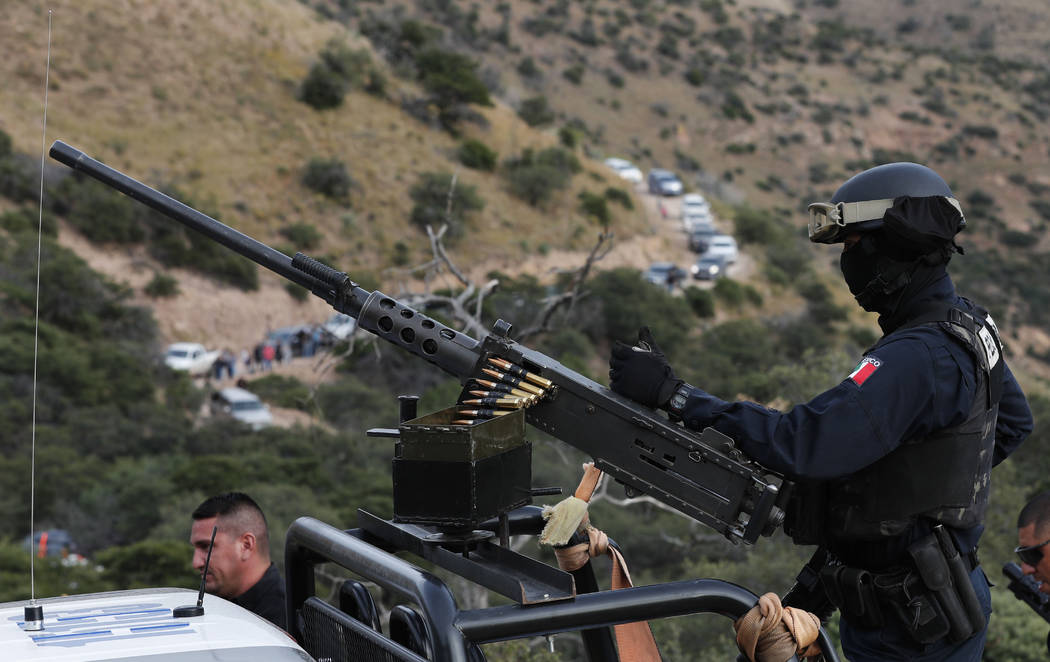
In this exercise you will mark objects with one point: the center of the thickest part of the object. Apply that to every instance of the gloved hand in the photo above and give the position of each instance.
(641, 372)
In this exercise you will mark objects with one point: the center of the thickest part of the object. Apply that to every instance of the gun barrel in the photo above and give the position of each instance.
(252, 249)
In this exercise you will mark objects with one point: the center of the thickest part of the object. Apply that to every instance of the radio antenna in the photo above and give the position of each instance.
(187, 611)
(34, 613)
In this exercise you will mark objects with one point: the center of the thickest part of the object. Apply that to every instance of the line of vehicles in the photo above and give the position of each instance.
(717, 251)
(236, 402)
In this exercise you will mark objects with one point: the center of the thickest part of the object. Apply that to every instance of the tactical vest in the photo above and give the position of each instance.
(943, 476)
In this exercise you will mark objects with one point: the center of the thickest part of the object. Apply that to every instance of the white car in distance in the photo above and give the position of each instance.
(190, 357)
(694, 204)
(625, 169)
(724, 245)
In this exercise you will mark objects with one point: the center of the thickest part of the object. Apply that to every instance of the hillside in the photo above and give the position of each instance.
(763, 103)
(507, 109)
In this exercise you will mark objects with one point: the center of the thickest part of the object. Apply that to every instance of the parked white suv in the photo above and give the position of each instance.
(722, 244)
(695, 204)
(241, 405)
(624, 169)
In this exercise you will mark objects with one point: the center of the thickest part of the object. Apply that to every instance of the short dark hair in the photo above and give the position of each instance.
(1036, 511)
(238, 511)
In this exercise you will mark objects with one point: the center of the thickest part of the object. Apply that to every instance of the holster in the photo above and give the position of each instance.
(808, 591)
(852, 590)
(952, 591)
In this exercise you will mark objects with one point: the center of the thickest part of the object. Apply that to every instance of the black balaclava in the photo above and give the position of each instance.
(892, 264)
(875, 269)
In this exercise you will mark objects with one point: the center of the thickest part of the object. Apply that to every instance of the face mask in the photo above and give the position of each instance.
(859, 265)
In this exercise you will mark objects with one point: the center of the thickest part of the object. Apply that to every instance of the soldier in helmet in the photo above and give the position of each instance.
(892, 464)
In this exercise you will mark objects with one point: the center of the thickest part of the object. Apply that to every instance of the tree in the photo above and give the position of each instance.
(452, 81)
(441, 198)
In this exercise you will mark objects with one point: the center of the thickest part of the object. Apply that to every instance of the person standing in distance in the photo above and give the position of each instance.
(240, 569)
(892, 465)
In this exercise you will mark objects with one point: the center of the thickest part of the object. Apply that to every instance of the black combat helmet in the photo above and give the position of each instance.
(910, 200)
(907, 218)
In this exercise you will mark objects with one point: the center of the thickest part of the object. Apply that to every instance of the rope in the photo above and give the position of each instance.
(770, 632)
(634, 641)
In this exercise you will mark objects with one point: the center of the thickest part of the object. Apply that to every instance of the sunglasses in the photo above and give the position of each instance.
(1031, 554)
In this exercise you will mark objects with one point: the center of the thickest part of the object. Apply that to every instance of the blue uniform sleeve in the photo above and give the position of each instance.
(903, 390)
(1015, 418)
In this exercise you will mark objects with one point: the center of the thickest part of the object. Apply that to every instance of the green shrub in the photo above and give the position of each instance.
(528, 68)
(594, 206)
(534, 177)
(1042, 207)
(25, 219)
(695, 76)
(161, 286)
(283, 391)
(323, 88)
(477, 155)
(452, 80)
(303, 236)
(176, 246)
(338, 70)
(536, 111)
(296, 291)
(619, 195)
(628, 302)
(981, 131)
(701, 301)
(574, 74)
(329, 177)
(98, 212)
(734, 107)
(755, 226)
(735, 294)
(1018, 239)
(435, 205)
(568, 137)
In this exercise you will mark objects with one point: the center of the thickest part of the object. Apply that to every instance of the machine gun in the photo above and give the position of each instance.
(704, 476)
(1026, 589)
(483, 470)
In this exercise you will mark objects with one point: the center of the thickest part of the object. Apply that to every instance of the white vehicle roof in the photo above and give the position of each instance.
(693, 199)
(185, 346)
(138, 625)
(618, 163)
(235, 394)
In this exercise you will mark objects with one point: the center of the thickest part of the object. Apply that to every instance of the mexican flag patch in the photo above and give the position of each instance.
(866, 368)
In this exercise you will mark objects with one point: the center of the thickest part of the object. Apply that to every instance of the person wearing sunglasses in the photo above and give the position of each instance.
(1033, 539)
(892, 465)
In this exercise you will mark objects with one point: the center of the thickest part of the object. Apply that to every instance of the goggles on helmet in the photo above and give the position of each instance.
(829, 221)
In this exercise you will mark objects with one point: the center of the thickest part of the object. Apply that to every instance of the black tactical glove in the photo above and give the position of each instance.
(641, 372)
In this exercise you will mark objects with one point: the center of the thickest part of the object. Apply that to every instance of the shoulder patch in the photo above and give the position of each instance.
(865, 369)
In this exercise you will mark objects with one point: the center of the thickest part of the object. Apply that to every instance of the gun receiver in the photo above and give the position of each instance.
(1026, 589)
(703, 476)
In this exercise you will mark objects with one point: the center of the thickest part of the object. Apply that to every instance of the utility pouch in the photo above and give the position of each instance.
(914, 606)
(933, 568)
(852, 590)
